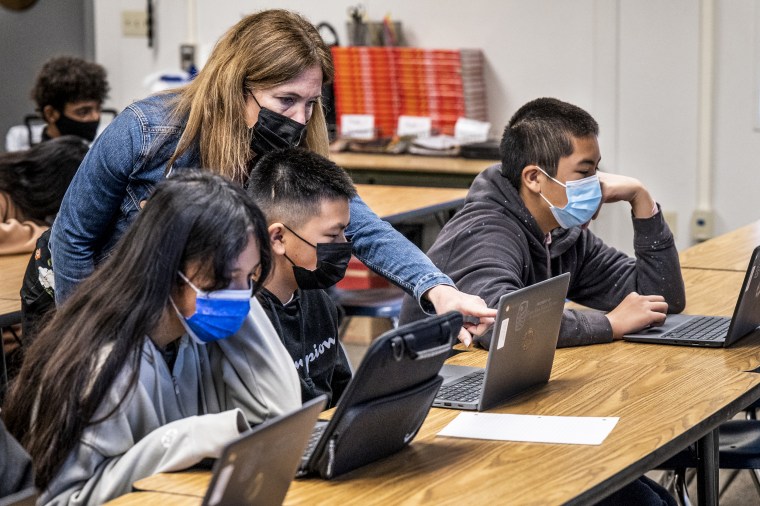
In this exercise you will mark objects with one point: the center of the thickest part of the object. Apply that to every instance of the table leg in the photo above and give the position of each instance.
(707, 472)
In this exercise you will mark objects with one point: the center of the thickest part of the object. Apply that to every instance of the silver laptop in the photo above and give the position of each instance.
(521, 353)
(257, 468)
(714, 331)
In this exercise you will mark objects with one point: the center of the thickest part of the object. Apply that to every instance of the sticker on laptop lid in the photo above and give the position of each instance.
(502, 333)
(221, 484)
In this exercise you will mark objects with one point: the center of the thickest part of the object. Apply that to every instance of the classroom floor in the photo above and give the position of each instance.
(741, 491)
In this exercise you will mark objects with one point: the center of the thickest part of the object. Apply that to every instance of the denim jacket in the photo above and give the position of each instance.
(130, 157)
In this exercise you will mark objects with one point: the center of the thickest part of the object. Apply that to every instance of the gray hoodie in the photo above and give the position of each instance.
(494, 246)
(174, 419)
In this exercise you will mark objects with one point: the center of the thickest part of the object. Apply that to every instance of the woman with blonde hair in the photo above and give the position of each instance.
(260, 90)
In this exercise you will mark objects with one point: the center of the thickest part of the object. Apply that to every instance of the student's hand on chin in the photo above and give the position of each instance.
(637, 312)
(446, 298)
(617, 188)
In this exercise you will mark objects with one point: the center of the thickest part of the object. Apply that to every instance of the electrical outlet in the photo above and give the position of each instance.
(702, 224)
(671, 218)
(134, 23)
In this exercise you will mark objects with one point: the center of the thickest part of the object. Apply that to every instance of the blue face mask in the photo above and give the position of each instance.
(583, 199)
(218, 314)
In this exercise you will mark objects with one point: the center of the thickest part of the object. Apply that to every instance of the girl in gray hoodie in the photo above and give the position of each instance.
(162, 356)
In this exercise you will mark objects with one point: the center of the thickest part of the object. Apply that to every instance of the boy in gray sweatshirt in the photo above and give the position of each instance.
(526, 220)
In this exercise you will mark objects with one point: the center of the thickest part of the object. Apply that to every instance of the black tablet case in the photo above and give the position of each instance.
(389, 396)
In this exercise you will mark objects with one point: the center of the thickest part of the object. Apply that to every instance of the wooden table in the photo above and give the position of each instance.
(12, 268)
(401, 203)
(730, 251)
(154, 499)
(663, 408)
(414, 170)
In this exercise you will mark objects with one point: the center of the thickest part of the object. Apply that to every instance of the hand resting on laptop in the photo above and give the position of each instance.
(637, 312)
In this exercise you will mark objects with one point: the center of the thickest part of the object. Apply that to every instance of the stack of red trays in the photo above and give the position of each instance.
(388, 82)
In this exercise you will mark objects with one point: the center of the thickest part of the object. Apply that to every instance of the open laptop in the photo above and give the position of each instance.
(257, 468)
(387, 399)
(521, 353)
(713, 331)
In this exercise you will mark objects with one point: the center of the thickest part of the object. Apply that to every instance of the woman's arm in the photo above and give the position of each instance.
(92, 201)
(384, 250)
(390, 254)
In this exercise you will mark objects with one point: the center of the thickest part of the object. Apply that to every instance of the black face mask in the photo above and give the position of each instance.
(84, 129)
(332, 261)
(274, 131)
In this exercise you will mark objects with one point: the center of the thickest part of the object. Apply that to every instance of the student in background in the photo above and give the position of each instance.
(260, 90)
(162, 356)
(68, 93)
(305, 198)
(32, 185)
(526, 220)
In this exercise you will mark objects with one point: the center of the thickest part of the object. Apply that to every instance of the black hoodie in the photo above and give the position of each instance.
(494, 246)
(308, 327)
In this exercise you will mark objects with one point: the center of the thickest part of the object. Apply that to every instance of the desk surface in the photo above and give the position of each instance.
(399, 203)
(662, 409)
(411, 163)
(12, 268)
(730, 251)
(154, 499)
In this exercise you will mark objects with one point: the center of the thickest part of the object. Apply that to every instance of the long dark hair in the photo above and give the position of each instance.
(36, 179)
(192, 217)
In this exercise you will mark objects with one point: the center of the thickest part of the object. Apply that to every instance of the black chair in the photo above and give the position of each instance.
(738, 449)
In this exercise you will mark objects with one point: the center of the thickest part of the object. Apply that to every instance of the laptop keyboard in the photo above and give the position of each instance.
(465, 389)
(316, 435)
(702, 328)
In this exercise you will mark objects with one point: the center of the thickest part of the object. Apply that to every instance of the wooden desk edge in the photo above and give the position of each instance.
(406, 163)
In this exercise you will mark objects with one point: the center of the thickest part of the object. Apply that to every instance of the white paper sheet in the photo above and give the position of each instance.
(582, 430)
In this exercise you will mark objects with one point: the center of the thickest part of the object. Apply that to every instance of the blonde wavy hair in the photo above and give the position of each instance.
(263, 50)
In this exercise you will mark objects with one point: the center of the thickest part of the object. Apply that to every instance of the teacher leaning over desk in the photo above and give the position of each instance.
(260, 90)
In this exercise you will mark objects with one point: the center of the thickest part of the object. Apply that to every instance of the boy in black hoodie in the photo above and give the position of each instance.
(305, 198)
(526, 220)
